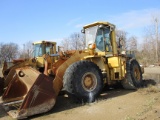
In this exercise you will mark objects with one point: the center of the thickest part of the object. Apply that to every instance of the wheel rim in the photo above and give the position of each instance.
(137, 73)
(89, 81)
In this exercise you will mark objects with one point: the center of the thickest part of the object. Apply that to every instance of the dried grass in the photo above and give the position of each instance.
(149, 89)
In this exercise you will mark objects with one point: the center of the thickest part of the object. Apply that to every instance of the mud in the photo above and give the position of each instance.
(112, 104)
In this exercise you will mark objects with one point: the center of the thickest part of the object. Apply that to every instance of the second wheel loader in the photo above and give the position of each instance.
(37, 62)
(81, 73)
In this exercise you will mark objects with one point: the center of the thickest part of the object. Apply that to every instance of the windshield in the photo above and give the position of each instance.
(38, 50)
(90, 34)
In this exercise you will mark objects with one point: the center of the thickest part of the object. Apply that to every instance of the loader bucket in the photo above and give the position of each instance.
(28, 93)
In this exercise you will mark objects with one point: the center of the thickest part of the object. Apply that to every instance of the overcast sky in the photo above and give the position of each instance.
(35, 20)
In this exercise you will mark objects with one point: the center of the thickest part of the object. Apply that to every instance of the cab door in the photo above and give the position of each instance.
(103, 40)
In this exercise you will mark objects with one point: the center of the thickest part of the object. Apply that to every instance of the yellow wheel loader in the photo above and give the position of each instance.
(37, 62)
(81, 73)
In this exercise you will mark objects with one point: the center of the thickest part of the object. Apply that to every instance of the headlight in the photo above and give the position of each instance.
(92, 46)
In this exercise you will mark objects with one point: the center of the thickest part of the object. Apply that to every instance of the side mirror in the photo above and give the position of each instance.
(121, 43)
(82, 31)
(112, 28)
(59, 48)
(101, 26)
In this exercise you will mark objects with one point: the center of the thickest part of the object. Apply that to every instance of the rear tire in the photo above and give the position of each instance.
(83, 79)
(133, 78)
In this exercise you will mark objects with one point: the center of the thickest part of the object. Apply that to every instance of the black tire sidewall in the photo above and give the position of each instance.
(74, 78)
(79, 90)
(133, 65)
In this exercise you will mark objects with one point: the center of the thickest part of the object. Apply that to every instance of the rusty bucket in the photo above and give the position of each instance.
(28, 93)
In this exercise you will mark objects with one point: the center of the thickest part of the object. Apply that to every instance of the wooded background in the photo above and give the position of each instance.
(146, 51)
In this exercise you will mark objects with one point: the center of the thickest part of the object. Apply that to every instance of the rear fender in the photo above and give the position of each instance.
(60, 69)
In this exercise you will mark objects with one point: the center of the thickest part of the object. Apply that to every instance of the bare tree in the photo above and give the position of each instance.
(151, 43)
(120, 34)
(132, 43)
(8, 51)
(66, 44)
(26, 51)
(74, 42)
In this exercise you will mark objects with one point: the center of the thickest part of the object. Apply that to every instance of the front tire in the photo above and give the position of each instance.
(133, 78)
(84, 80)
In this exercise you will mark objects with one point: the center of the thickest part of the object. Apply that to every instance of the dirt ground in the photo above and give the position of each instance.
(113, 104)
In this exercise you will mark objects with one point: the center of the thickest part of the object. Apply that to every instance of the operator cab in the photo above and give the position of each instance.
(99, 34)
(41, 48)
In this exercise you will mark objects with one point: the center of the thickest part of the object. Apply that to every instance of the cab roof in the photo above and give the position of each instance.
(98, 23)
(43, 41)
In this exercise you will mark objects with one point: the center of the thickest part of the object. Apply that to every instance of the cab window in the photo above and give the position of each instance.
(37, 50)
(107, 40)
(48, 47)
(99, 40)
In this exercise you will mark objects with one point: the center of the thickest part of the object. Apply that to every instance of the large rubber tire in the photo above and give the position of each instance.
(84, 80)
(133, 78)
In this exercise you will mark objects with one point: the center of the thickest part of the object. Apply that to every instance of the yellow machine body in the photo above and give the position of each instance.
(79, 72)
